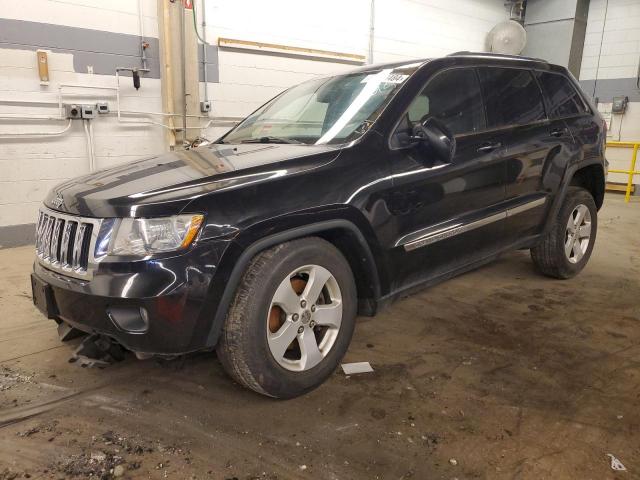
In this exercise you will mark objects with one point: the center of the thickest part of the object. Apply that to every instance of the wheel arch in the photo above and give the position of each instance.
(591, 178)
(588, 176)
(343, 234)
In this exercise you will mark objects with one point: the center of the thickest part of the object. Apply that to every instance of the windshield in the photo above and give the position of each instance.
(324, 111)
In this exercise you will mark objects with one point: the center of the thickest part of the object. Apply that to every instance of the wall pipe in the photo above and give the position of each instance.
(90, 151)
(143, 53)
(183, 74)
(604, 26)
(22, 116)
(117, 90)
(37, 118)
(38, 134)
(372, 28)
(119, 112)
(93, 146)
(204, 50)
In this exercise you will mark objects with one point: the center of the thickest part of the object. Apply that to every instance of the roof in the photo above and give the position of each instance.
(500, 56)
(419, 62)
(422, 61)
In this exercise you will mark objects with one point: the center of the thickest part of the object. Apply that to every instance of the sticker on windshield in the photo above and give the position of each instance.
(385, 76)
(395, 78)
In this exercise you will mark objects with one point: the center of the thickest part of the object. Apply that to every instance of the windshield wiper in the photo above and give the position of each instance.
(270, 139)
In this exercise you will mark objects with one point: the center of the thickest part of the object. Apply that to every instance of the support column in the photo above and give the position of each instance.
(180, 94)
(556, 31)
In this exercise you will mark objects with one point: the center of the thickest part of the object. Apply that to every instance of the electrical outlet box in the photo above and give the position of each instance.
(205, 106)
(102, 107)
(89, 111)
(619, 104)
(73, 111)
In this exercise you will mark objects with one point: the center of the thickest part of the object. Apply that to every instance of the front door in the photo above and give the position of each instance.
(446, 214)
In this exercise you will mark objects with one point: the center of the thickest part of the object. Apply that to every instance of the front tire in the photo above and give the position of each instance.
(566, 248)
(291, 320)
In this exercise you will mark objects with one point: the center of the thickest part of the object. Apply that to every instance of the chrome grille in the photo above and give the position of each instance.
(65, 243)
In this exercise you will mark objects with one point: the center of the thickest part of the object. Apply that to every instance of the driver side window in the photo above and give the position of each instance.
(452, 97)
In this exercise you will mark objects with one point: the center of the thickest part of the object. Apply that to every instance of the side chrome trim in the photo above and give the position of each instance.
(453, 231)
(526, 206)
(442, 234)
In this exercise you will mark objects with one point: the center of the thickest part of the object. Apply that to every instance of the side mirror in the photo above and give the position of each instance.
(437, 137)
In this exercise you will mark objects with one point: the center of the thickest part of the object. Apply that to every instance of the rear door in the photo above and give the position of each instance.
(515, 107)
(565, 104)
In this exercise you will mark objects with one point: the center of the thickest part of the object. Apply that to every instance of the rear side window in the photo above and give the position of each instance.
(564, 99)
(512, 96)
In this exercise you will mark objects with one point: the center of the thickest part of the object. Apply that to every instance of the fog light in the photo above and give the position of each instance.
(129, 319)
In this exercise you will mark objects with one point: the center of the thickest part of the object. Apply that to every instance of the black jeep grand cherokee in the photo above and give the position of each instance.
(329, 200)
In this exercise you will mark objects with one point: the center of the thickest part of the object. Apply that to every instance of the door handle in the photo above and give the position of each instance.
(557, 132)
(488, 147)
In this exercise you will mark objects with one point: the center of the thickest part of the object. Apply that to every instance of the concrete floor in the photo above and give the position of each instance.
(500, 373)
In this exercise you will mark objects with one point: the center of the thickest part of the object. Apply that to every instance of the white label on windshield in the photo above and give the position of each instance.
(385, 76)
(395, 78)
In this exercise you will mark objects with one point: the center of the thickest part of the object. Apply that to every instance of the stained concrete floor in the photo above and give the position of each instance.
(500, 373)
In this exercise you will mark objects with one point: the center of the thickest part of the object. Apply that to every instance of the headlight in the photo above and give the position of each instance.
(143, 236)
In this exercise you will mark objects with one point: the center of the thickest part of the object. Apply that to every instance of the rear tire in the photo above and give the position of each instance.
(291, 320)
(566, 248)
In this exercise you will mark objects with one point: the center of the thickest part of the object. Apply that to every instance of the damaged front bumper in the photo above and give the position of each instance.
(152, 307)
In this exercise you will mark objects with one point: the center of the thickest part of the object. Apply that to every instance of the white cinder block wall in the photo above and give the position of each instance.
(404, 29)
(610, 67)
(29, 167)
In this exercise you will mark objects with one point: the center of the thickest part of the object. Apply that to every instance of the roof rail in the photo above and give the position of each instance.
(466, 53)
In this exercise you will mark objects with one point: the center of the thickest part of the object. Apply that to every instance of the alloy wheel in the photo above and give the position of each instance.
(578, 234)
(304, 318)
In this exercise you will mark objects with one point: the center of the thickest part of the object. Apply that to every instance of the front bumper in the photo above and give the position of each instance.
(157, 306)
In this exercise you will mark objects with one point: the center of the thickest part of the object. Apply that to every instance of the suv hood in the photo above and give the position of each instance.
(165, 184)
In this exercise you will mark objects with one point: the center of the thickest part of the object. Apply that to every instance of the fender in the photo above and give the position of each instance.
(269, 241)
(562, 192)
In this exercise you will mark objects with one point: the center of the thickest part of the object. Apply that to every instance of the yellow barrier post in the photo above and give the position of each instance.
(632, 171)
